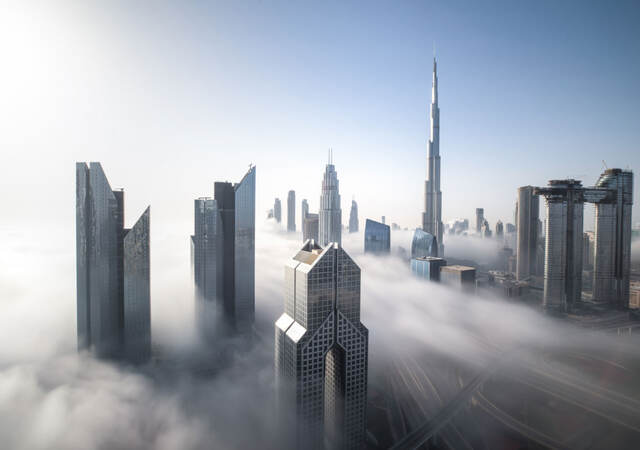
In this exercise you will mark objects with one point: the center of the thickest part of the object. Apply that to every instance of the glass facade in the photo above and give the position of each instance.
(245, 250)
(427, 267)
(224, 255)
(423, 244)
(377, 237)
(103, 265)
(137, 306)
(321, 351)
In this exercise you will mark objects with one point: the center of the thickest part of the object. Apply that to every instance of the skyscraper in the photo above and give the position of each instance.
(291, 211)
(479, 219)
(499, 229)
(423, 245)
(310, 227)
(528, 209)
(432, 216)
(305, 211)
(112, 262)
(377, 237)
(277, 210)
(612, 245)
(224, 255)
(321, 350)
(563, 243)
(330, 214)
(353, 217)
(207, 270)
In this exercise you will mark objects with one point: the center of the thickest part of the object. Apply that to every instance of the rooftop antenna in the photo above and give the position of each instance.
(605, 165)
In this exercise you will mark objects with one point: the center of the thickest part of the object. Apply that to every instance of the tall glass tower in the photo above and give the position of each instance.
(432, 215)
(224, 255)
(330, 214)
(321, 351)
(112, 265)
(377, 237)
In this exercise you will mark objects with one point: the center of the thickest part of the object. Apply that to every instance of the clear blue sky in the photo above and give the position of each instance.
(172, 95)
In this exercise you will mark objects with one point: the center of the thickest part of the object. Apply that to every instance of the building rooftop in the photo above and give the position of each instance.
(457, 268)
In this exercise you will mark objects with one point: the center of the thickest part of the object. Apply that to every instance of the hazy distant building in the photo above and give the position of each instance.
(527, 232)
(485, 230)
(499, 229)
(291, 211)
(460, 277)
(377, 237)
(511, 228)
(277, 210)
(458, 226)
(504, 257)
(612, 254)
(113, 271)
(588, 248)
(427, 267)
(423, 244)
(563, 244)
(224, 255)
(305, 211)
(330, 214)
(353, 217)
(310, 227)
(479, 219)
(383, 219)
(321, 351)
(432, 215)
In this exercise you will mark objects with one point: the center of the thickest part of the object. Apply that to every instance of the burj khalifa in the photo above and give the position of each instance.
(432, 215)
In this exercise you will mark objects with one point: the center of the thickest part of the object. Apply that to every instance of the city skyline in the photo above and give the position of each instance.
(549, 111)
(523, 331)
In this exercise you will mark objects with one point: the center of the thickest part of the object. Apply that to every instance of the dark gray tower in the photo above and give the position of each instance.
(291, 211)
(321, 351)
(113, 297)
(528, 210)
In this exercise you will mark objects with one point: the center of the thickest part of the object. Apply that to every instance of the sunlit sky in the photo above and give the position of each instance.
(171, 96)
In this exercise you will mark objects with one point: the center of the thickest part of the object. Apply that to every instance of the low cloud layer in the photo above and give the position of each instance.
(206, 396)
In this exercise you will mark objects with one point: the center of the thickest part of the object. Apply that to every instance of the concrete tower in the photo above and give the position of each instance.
(321, 351)
(612, 245)
(330, 214)
(432, 215)
(277, 210)
(563, 243)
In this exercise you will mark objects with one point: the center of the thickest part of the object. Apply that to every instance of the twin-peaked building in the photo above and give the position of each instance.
(112, 263)
(223, 255)
(321, 350)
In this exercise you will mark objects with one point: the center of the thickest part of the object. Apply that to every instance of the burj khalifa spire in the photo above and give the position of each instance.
(432, 215)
